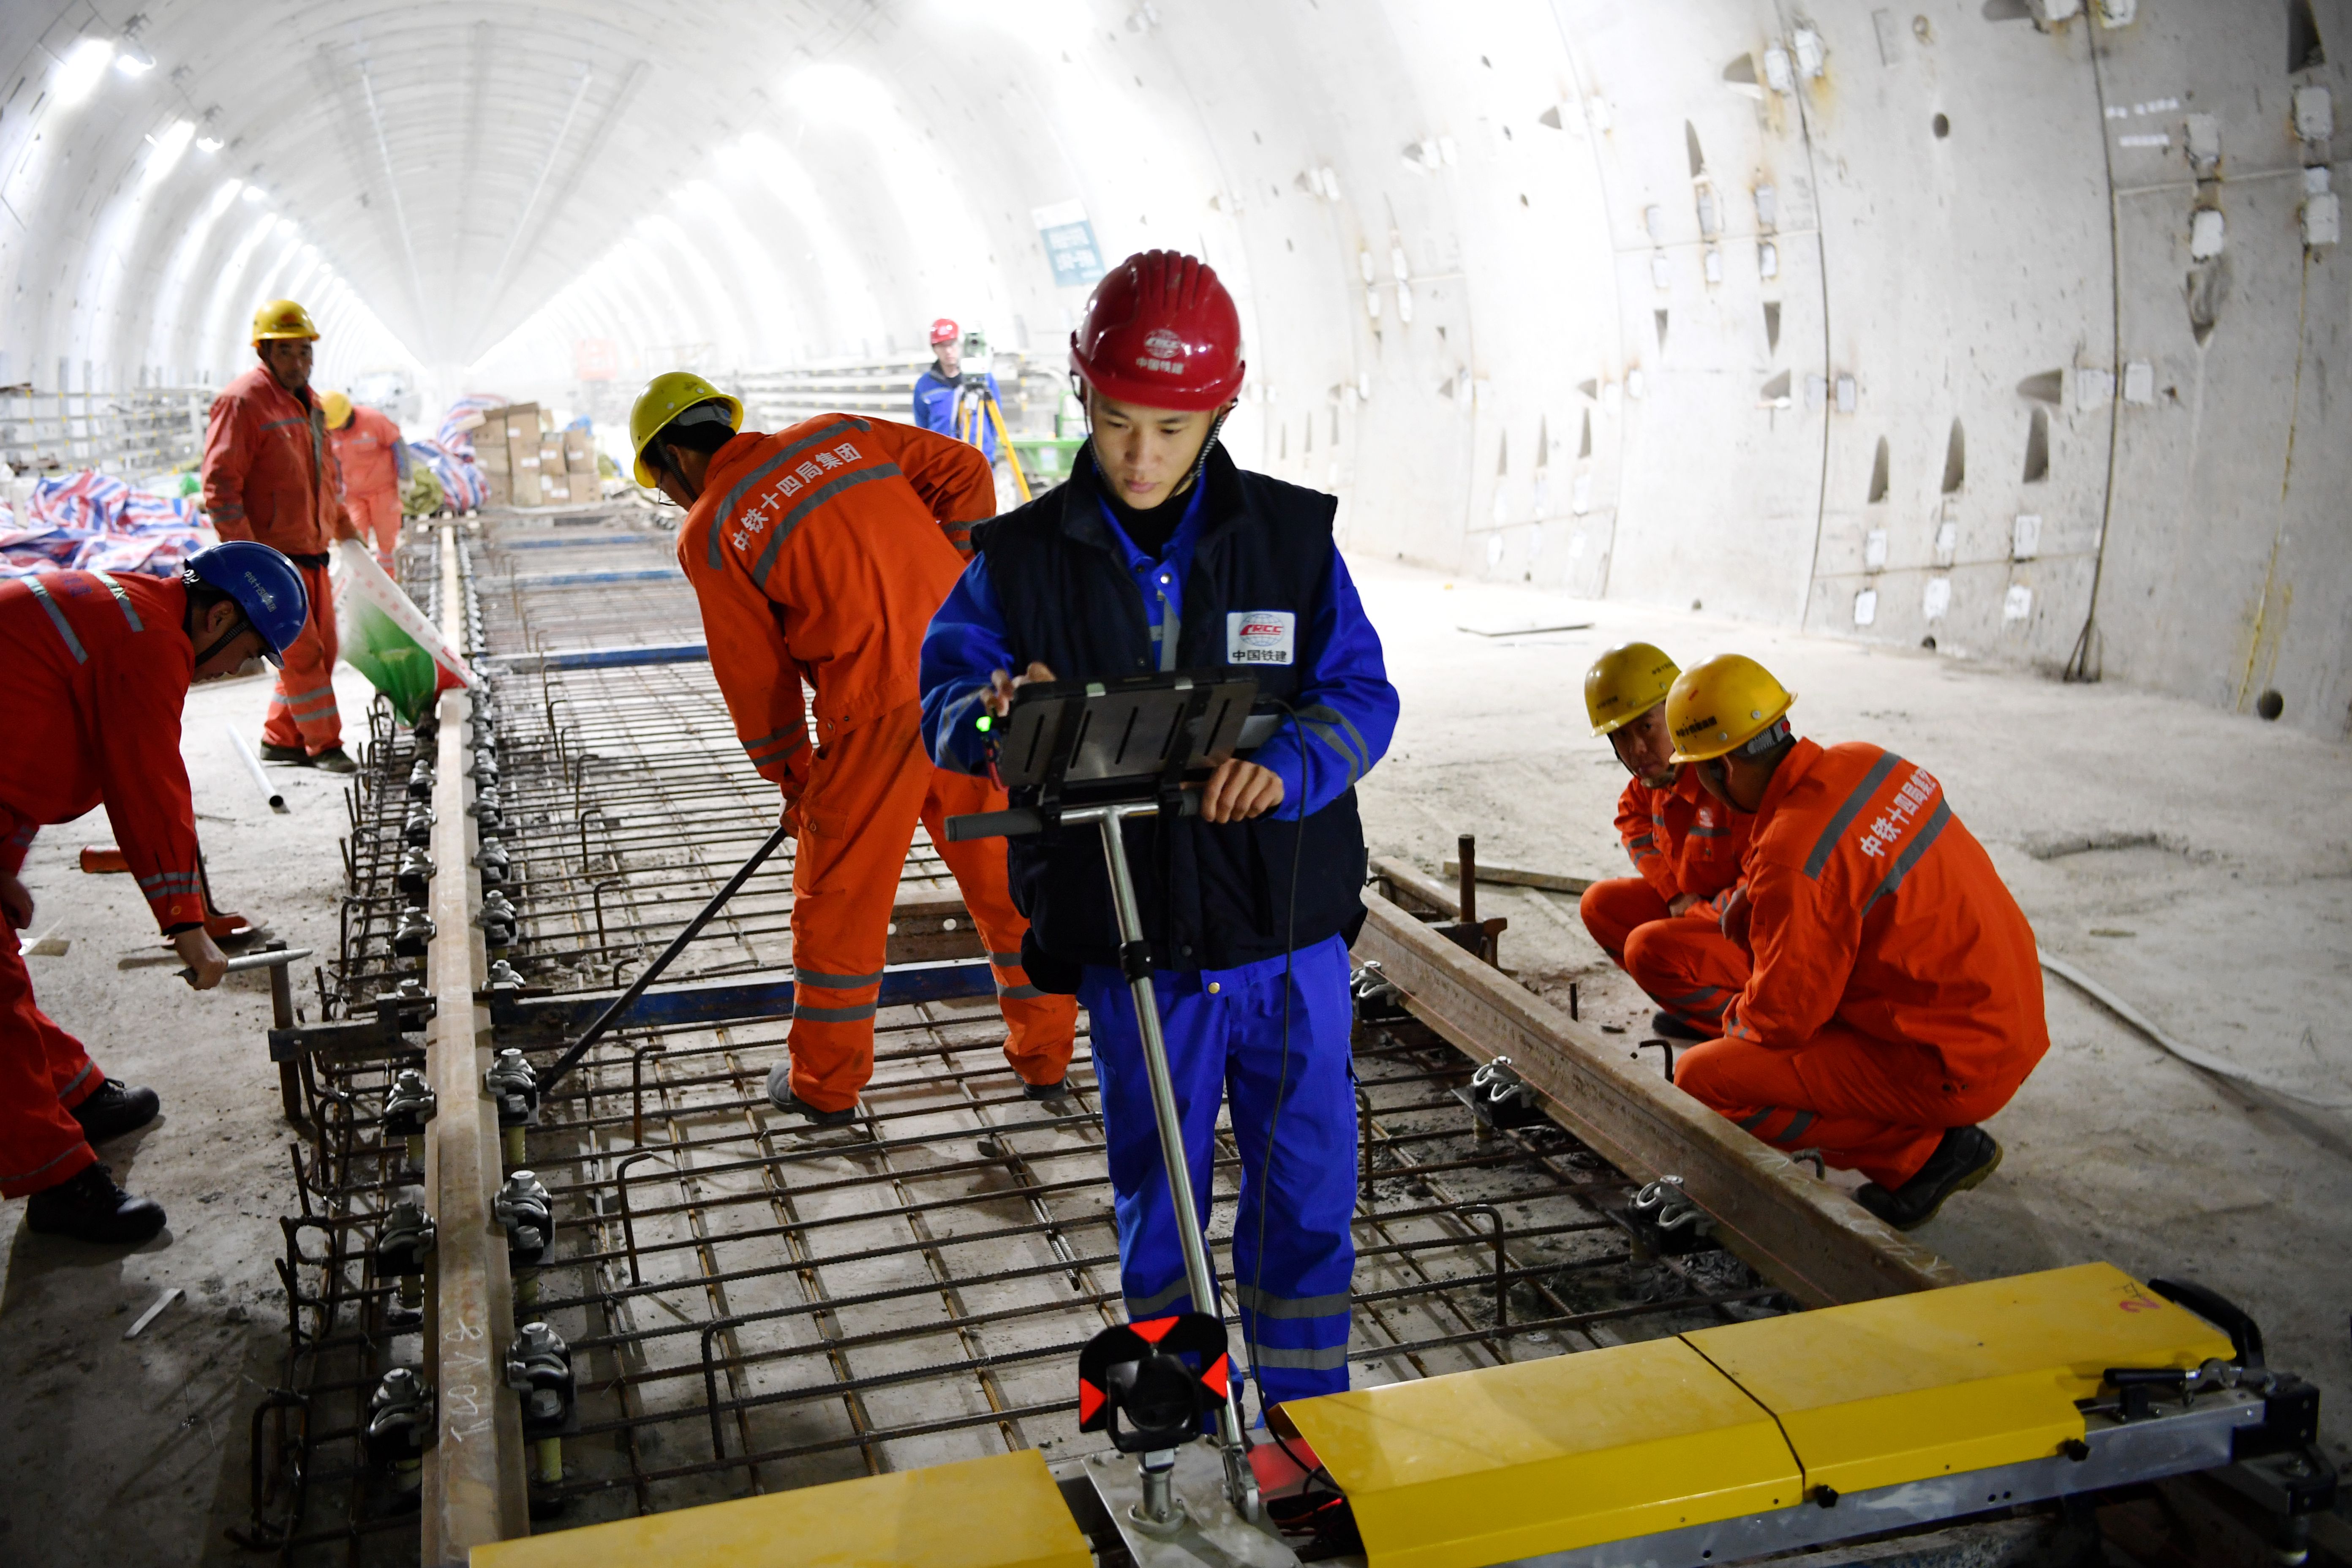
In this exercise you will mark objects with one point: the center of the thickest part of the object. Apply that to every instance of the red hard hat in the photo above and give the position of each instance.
(1161, 332)
(944, 331)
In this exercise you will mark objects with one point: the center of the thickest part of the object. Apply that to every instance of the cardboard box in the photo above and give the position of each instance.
(556, 489)
(578, 447)
(493, 460)
(582, 467)
(526, 489)
(551, 455)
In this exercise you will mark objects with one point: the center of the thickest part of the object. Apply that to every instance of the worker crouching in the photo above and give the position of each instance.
(97, 668)
(1895, 998)
(820, 551)
(1662, 927)
(1160, 554)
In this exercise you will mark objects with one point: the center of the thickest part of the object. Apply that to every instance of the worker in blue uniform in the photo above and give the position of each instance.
(1159, 553)
(941, 384)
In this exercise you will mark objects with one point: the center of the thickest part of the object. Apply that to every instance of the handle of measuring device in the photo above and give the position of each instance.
(1020, 822)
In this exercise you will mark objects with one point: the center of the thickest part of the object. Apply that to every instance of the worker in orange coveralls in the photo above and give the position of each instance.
(375, 463)
(819, 552)
(269, 476)
(1662, 927)
(1895, 997)
(98, 667)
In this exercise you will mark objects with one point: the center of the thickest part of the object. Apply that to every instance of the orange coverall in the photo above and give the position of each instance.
(367, 449)
(1682, 841)
(97, 668)
(819, 552)
(1896, 991)
(270, 475)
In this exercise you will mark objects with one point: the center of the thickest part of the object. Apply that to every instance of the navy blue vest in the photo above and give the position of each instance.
(1213, 896)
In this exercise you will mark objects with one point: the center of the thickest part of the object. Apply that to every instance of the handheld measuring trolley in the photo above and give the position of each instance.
(1071, 754)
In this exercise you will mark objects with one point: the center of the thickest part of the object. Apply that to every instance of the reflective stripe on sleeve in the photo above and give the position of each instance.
(1329, 1358)
(835, 982)
(1151, 1306)
(727, 507)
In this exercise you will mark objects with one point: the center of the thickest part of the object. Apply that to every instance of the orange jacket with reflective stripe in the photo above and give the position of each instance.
(819, 552)
(270, 474)
(366, 451)
(1683, 839)
(97, 668)
(1873, 904)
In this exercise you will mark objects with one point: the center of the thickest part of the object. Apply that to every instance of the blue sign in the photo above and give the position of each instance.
(1070, 247)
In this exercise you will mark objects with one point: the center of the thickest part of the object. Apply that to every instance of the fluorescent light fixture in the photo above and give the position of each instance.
(169, 149)
(79, 70)
(209, 144)
(133, 61)
(252, 193)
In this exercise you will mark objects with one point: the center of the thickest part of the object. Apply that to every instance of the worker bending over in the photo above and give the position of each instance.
(1662, 927)
(375, 463)
(270, 477)
(819, 553)
(1159, 554)
(99, 667)
(1895, 997)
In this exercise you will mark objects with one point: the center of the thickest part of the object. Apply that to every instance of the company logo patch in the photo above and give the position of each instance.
(1261, 636)
(1165, 344)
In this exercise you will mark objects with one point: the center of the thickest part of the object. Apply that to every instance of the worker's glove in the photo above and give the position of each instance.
(16, 901)
(1735, 910)
(792, 818)
(197, 952)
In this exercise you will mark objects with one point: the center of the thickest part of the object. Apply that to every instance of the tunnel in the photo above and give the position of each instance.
(1972, 365)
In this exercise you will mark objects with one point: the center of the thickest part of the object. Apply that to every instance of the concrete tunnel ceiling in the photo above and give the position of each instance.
(1963, 319)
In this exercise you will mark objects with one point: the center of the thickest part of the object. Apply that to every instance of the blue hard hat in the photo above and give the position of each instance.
(263, 583)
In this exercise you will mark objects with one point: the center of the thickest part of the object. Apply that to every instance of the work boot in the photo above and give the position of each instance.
(114, 1109)
(335, 759)
(1964, 1158)
(89, 1207)
(293, 755)
(1057, 1090)
(780, 1095)
(1673, 1028)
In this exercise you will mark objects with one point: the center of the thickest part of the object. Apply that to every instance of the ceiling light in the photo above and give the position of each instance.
(209, 144)
(252, 193)
(132, 60)
(79, 70)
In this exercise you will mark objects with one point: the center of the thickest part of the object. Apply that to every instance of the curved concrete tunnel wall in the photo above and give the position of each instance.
(1792, 312)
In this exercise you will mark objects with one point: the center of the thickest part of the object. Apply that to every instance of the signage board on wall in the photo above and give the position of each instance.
(1070, 245)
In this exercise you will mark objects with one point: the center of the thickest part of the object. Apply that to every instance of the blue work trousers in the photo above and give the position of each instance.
(1225, 1033)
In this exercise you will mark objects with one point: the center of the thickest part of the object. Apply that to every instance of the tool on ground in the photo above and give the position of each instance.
(275, 958)
(269, 792)
(103, 860)
(1073, 753)
(653, 972)
(153, 1312)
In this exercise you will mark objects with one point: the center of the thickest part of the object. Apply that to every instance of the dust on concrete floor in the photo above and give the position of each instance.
(2222, 846)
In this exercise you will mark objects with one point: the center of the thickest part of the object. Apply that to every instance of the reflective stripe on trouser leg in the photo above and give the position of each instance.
(1876, 1106)
(1294, 1296)
(1038, 1027)
(303, 711)
(1687, 965)
(857, 820)
(1235, 1039)
(43, 1069)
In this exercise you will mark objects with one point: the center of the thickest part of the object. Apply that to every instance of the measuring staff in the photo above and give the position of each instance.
(1159, 553)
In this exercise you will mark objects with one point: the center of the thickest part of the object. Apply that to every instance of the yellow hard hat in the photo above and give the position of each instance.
(282, 319)
(339, 410)
(1625, 683)
(666, 398)
(1721, 705)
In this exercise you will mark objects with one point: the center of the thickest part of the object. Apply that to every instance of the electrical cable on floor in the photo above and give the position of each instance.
(2203, 1060)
